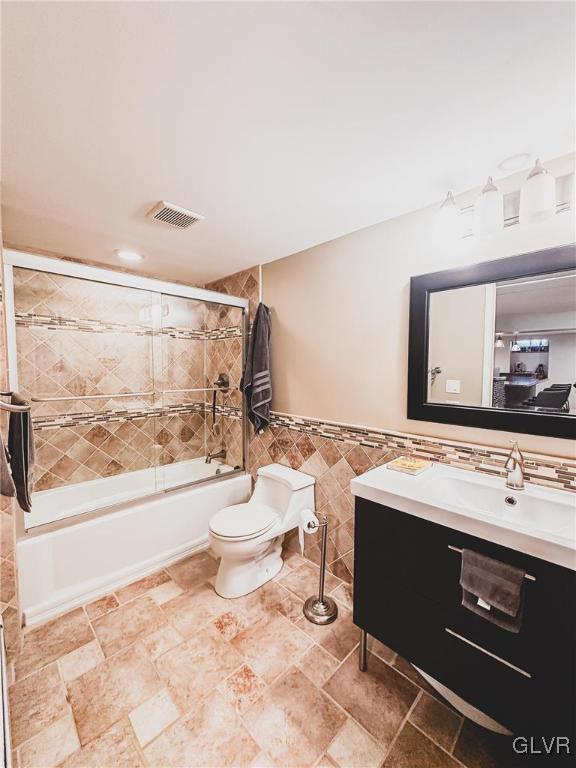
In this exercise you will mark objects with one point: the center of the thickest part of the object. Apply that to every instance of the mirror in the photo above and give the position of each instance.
(494, 345)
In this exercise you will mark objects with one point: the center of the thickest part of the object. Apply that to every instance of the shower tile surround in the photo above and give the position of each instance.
(165, 672)
(64, 351)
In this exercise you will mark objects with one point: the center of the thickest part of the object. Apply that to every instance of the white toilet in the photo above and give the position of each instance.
(248, 537)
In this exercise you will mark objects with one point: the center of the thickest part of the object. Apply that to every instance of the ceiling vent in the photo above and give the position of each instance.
(174, 215)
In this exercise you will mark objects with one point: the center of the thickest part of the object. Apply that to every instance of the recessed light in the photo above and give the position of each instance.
(128, 255)
(515, 162)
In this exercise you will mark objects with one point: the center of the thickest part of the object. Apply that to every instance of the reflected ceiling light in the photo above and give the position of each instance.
(515, 162)
(128, 255)
(448, 217)
(515, 346)
(489, 210)
(538, 195)
(499, 341)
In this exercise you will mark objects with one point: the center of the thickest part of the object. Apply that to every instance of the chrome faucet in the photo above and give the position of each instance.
(221, 454)
(514, 467)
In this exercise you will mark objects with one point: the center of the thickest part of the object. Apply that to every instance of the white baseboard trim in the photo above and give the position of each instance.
(65, 600)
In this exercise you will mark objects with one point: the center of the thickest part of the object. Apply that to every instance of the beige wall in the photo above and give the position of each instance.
(340, 318)
(456, 344)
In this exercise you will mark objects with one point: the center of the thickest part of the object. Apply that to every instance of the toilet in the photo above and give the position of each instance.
(248, 537)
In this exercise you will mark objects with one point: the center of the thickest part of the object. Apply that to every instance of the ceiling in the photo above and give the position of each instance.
(284, 124)
(544, 296)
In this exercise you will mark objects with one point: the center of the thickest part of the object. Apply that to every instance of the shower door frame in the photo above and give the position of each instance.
(25, 260)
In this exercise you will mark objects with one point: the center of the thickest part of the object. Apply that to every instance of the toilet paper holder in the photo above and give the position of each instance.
(321, 609)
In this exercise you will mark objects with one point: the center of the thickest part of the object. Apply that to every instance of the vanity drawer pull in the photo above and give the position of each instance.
(457, 549)
(488, 653)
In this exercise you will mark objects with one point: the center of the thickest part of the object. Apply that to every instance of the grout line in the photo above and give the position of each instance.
(458, 732)
(427, 736)
(402, 724)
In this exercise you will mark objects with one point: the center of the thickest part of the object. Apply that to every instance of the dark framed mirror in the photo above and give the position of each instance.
(493, 345)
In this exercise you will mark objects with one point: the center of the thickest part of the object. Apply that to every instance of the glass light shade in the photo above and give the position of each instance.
(489, 210)
(499, 341)
(448, 218)
(538, 196)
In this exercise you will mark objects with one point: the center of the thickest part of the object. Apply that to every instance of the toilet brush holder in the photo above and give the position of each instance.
(320, 609)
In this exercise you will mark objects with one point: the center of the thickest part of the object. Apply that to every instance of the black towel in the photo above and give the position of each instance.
(256, 383)
(498, 586)
(21, 452)
(6, 483)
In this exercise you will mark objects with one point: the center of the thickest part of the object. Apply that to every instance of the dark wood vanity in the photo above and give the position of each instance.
(407, 594)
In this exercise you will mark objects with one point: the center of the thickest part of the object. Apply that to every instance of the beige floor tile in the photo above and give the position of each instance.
(413, 750)
(193, 669)
(122, 627)
(318, 665)
(116, 748)
(244, 612)
(111, 691)
(164, 592)
(379, 649)
(164, 639)
(438, 721)
(379, 699)
(303, 581)
(53, 745)
(193, 571)
(151, 717)
(140, 587)
(36, 702)
(50, 641)
(354, 748)
(81, 660)
(271, 645)
(194, 609)
(293, 721)
(242, 688)
(101, 606)
(212, 736)
(343, 594)
(338, 638)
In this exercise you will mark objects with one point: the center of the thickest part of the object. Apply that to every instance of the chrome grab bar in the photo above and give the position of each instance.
(12, 408)
(456, 549)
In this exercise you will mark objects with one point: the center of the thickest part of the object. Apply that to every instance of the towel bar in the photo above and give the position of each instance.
(457, 549)
(12, 408)
(114, 395)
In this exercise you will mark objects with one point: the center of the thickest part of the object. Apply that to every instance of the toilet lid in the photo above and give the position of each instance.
(243, 520)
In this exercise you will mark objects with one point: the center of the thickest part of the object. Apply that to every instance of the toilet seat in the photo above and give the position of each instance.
(242, 521)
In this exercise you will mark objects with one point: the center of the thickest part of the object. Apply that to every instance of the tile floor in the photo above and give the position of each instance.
(164, 672)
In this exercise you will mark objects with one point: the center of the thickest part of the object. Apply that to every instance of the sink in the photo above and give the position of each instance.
(537, 520)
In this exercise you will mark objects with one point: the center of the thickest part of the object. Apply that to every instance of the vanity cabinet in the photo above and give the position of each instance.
(407, 594)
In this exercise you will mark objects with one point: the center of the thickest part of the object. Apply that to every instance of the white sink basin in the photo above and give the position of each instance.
(536, 520)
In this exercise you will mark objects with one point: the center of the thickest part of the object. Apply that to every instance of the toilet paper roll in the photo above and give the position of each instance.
(308, 524)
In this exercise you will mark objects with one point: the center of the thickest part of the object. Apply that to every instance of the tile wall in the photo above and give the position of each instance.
(76, 337)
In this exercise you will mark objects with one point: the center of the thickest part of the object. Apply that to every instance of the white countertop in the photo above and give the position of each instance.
(542, 523)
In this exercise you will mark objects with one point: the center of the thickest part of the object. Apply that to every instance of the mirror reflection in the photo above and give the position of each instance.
(506, 345)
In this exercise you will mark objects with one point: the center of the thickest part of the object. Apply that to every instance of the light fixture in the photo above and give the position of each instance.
(448, 218)
(538, 195)
(128, 255)
(515, 162)
(499, 341)
(515, 346)
(489, 210)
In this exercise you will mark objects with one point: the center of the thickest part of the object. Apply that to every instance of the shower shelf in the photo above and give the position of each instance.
(43, 399)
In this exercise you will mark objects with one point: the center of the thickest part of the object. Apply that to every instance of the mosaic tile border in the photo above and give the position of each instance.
(127, 414)
(551, 471)
(57, 323)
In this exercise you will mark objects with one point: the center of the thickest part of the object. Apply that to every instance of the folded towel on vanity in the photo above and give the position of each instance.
(21, 452)
(492, 589)
(256, 383)
(7, 487)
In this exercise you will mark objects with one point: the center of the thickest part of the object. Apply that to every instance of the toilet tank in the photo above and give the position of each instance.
(284, 489)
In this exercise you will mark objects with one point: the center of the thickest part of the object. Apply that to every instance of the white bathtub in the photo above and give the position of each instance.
(78, 498)
(61, 569)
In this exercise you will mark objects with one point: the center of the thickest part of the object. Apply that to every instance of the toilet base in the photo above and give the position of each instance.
(236, 578)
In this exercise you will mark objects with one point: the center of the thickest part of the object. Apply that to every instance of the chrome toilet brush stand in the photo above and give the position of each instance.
(320, 609)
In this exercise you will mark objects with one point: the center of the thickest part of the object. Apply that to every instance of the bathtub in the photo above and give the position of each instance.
(70, 500)
(61, 569)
